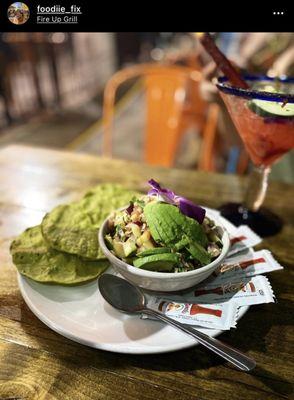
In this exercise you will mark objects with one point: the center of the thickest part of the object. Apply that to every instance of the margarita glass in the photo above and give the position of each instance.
(264, 118)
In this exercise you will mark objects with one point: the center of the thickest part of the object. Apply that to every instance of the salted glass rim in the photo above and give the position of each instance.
(225, 87)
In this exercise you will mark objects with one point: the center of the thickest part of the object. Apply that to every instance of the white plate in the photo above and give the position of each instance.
(81, 314)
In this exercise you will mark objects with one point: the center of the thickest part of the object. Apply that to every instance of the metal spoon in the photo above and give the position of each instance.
(128, 298)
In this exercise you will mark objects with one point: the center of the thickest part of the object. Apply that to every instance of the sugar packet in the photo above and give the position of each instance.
(214, 316)
(244, 291)
(243, 238)
(244, 265)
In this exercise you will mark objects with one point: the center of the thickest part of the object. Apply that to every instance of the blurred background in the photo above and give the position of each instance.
(149, 94)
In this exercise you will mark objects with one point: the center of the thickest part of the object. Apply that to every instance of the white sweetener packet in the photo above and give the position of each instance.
(243, 238)
(243, 291)
(214, 316)
(244, 265)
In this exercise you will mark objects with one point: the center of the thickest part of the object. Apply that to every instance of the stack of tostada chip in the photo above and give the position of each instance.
(64, 249)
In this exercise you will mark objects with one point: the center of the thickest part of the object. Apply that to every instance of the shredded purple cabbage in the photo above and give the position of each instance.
(167, 194)
(187, 207)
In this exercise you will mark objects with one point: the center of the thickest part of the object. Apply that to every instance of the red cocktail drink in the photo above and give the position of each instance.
(266, 138)
(264, 118)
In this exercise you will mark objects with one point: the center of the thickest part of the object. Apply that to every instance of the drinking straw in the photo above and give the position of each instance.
(221, 61)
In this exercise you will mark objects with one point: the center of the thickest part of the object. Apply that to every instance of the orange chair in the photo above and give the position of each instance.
(166, 90)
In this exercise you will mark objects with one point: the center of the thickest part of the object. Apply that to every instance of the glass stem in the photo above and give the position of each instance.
(257, 187)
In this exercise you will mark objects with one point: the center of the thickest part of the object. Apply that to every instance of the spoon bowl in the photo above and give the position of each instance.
(121, 294)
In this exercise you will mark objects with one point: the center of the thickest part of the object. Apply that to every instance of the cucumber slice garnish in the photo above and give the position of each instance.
(155, 250)
(271, 108)
(157, 262)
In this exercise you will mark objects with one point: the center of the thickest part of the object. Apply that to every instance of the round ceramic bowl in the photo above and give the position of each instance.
(164, 281)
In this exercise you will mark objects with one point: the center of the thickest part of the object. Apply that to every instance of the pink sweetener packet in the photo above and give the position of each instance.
(245, 265)
(243, 238)
(244, 291)
(214, 316)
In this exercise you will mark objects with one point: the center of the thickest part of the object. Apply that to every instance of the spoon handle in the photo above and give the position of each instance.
(234, 356)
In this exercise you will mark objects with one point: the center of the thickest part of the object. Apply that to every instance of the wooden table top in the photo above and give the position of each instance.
(36, 363)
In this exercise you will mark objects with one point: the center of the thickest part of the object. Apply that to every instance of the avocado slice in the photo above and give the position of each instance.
(155, 250)
(157, 262)
(182, 243)
(168, 225)
(199, 253)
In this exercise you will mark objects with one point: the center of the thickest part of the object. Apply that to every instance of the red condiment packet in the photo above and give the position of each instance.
(242, 238)
(245, 265)
(242, 291)
(214, 316)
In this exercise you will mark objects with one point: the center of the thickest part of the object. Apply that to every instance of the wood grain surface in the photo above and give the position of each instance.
(36, 363)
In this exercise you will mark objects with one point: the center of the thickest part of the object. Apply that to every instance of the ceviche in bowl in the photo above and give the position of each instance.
(161, 241)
